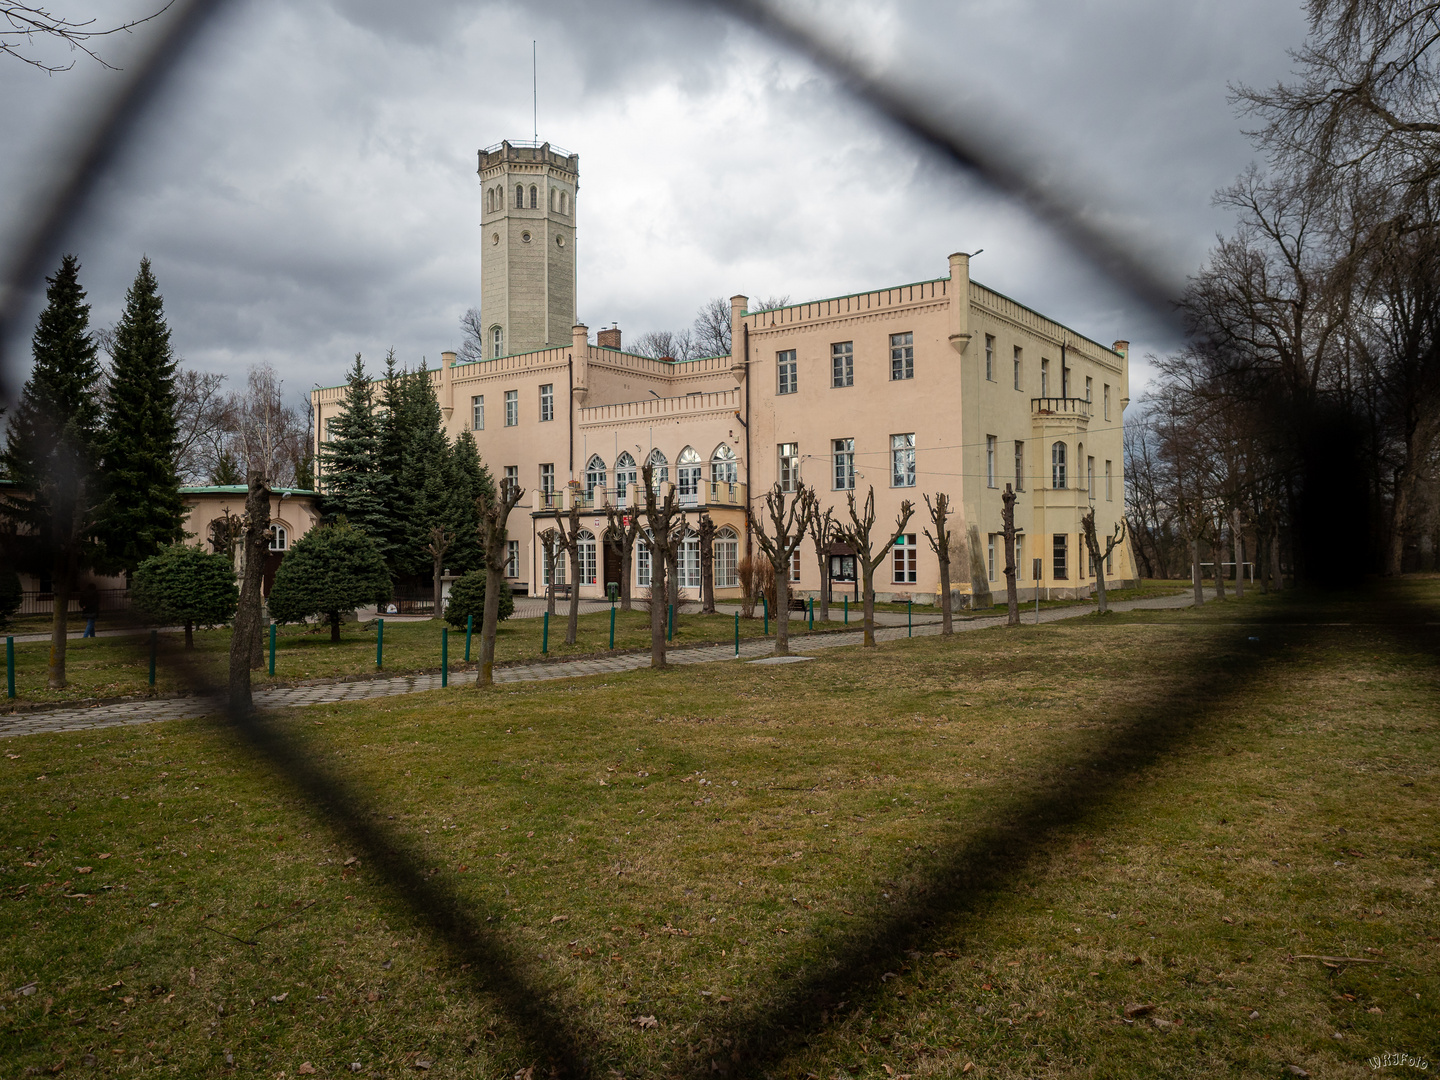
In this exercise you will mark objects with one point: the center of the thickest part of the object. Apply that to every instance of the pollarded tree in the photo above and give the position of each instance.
(140, 445)
(624, 527)
(185, 585)
(1098, 557)
(859, 535)
(567, 526)
(493, 509)
(329, 572)
(940, 544)
(787, 533)
(666, 523)
(824, 530)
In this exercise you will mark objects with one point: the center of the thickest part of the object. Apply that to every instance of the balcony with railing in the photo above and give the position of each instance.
(706, 494)
(1061, 406)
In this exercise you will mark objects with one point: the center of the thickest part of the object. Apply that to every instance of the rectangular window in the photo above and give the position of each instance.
(1106, 392)
(789, 466)
(1110, 564)
(512, 558)
(989, 357)
(1017, 367)
(1019, 557)
(330, 430)
(512, 475)
(1108, 496)
(1089, 561)
(547, 479)
(547, 402)
(902, 460)
(844, 464)
(1089, 387)
(789, 371)
(689, 563)
(842, 364)
(727, 561)
(990, 443)
(1089, 474)
(642, 564)
(1044, 377)
(512, 408)
(990, 556)
(477, 413)
(903, 559)
(1061, 546)
(902, 356)
(795, 567)
(1019, 465)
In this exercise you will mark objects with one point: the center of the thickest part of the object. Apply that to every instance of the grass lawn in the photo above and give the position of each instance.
(944, 852)
(119, 666)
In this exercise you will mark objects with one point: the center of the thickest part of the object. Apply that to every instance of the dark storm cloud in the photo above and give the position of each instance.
(307, 190)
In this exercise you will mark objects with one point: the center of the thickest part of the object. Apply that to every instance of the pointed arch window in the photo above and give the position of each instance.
(497, 341)
(660, 466)
(723, 467)
(594, 476)
(534, 198)
(519, 196)
(625, 474)
(687, 477)
(1057, 465)
(585, 558)
(564, 203)
(727, 559)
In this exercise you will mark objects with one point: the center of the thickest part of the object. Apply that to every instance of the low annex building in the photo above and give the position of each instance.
(936, 386)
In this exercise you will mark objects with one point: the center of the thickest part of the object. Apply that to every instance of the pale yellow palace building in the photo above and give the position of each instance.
(935, 386)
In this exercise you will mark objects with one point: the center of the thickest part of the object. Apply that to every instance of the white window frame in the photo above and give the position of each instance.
(991, 444)
(724, 468)
(1044, 376)
(1089, 389)
(1058, 477)
(477, 413)
(904, 560)
(594, 478)
(795, 567)
(512, 408)
(547, 402)
(688, 563)
(1019, 464)
(512, 558)
(1108, 480)
(902, 460)
(643, 554)
(1106, 393)
(547, 478)
(902, 356)
(842, 476)
(787, 372)
(279, 538)
(842, 364)
(585, 551)
(1090, 473)
(727, 559)
(989, 357)
(497, 341)
(990, 554)
(1019, 355)
(788, 458)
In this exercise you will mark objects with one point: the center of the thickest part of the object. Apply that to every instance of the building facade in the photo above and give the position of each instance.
(936, 386)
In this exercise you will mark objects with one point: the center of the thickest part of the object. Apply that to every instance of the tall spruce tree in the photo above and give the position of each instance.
(468, 480)
(144, 511)
(52, 452)
(353, 479)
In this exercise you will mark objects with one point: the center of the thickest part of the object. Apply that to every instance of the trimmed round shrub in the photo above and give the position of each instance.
(467, 598)
(185, 585)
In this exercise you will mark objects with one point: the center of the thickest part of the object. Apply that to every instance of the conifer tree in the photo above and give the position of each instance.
(354, 483)
(52, 451)
(468, 480)
(144, 510)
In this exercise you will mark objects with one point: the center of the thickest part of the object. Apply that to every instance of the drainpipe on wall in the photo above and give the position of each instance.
(570, 411)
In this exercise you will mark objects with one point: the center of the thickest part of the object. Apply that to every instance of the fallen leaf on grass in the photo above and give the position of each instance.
(306, 1068)
(559, 918)
(84, 869)
(969, 1067)
(646, 1022)
(1227, 919)
(1133, 1011)
(280, 997)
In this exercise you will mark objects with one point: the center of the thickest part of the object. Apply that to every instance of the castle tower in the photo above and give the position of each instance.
(527, 262)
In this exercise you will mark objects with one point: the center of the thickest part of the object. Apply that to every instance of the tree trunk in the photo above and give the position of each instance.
(335, 626)
(60, 621)
(782, 610)
(1195, 571)
(707, 566)
(825, 588)
(1261, 563)
(1276, 573)
(489, 623)
(1399, 513)
(947, 624)
(189, 634)
(867, 575)
(1237, 534)
(627, 560)
(439, 587)
(980, 595)
(1012, 595)
(1218, 550)
(245, 638)
(572, 625)
(1100, 582)
(658, 592)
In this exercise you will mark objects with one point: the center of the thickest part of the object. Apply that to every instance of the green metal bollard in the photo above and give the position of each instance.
(737, 634)
(272, 648)
(670, 633)
(154, 648)
(380, 645)
(545, 635)
(910, 618)
(765, 604)
(444, 656)
(612, 624)
(469, 626)
(10, 665)
(847, 609)
(812, 614)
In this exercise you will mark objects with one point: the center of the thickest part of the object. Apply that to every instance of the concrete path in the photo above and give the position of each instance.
(284, 697)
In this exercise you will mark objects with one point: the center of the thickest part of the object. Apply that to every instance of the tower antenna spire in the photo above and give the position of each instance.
(535, 92)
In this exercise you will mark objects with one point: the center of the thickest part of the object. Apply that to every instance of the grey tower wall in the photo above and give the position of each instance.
(528, 287)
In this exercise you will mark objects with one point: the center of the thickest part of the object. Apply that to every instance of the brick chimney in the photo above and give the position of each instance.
(608, 339)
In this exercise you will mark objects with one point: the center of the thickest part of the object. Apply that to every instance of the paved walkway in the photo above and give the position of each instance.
(284, 697)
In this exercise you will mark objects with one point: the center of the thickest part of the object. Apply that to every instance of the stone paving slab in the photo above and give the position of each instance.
(286, 697)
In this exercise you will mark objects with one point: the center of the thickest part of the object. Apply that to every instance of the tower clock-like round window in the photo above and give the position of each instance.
(559, 241)
(494, 238)
(525, 237)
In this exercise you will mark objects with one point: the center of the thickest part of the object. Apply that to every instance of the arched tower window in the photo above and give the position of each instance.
(723, 468)
(1057, 465)
(534, 198)
(594, 476)
(564, 203)
(489, 200)
(497, 338)
(554, 199)
(519, 196)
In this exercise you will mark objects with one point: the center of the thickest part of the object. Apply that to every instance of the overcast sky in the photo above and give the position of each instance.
(306, 189)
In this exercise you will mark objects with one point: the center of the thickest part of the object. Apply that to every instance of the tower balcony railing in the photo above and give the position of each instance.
(1042, 406)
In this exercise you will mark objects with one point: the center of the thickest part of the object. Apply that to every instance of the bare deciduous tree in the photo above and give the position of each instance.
(494, 512)
(1092, 544)
(472, 337)
(666, 524)
(706, 531)
(664, 344)
(824, 530)
(624, 527)
(859, 535)
(22, 25)
(1007, 519)
(440, 542)
(255, 545)
(940, 544)
(789, 520)
(711, 333)
(568, 541)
